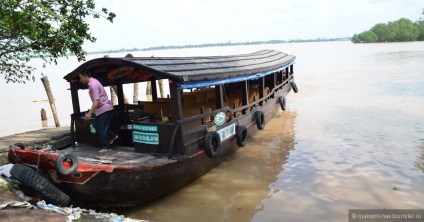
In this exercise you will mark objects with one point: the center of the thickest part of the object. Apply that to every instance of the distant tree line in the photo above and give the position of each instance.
(402, 30)
(229, 43)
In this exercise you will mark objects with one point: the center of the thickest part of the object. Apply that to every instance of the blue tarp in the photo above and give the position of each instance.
(208, 83)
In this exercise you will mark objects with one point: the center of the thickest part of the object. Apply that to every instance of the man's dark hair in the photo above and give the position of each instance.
(86, 72)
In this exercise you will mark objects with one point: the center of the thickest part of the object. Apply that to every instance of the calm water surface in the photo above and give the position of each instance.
(353, 138)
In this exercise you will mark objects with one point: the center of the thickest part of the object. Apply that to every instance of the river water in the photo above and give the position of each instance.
(352, 138)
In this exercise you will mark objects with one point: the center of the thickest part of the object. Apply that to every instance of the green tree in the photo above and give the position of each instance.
(397, 31)
(48, 29)
(405, 30)
(420, 24)
(368, 37)
(384, 32)
(355, 39)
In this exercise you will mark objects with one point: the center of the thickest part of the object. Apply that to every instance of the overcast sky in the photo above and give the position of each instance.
(149, 23)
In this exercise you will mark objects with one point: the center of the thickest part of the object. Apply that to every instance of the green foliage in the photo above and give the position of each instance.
(48, 29)
(398, 31)
(5, 185)
(367, 36)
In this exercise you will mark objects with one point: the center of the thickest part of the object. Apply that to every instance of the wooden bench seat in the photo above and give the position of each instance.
(156, 107)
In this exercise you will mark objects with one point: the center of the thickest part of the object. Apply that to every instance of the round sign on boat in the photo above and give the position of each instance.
(220, 118)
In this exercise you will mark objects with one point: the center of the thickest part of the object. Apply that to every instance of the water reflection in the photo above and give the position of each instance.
(234, 190)
(420, 160)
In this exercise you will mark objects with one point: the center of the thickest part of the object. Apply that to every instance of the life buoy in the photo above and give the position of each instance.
(120, 72)
(212, 144)
(260, 120)
(39, 184)
(68, 157)
(282, 102)
(294, 87)
(241, 135)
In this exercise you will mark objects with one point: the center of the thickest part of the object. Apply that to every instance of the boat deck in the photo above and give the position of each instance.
(119, 155)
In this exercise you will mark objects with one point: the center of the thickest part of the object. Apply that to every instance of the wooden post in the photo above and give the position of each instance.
(154, 89)
(149, 88)
(135, 96)
(115, 91)
(43, 117)
(113, 96)
(46, 84)
(43, 114)
(162, 92)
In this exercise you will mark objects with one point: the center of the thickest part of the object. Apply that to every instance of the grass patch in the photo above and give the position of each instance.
(5, 185)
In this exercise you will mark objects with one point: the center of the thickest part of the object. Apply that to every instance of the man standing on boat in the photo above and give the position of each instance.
(102, 108)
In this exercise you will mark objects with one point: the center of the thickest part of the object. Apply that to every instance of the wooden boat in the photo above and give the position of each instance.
(215, 104)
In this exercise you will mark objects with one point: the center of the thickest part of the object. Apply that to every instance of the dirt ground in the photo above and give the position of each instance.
(19, 214)
(23, 214)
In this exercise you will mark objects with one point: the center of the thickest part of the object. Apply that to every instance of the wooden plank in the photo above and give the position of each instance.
(156, 107)
(188, 100)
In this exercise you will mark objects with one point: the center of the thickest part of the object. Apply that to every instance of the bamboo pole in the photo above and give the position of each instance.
(46, 84)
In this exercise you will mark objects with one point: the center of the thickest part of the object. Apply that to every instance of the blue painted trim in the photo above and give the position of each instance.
(214, 82)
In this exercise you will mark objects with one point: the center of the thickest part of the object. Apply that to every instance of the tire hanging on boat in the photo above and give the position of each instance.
(69, 157)
(282, 102)
(294, 87)
(212, 144)
(241, 135)
(260, 120)
(39, 184)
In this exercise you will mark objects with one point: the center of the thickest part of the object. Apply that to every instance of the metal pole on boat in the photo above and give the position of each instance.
(46, 84)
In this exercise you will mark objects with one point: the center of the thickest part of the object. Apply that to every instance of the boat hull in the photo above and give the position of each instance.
(121, 186)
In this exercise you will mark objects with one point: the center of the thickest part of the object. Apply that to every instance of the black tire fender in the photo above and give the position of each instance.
(40, 185)
(212, 144)
(260, 120)
(69, 157)
(282, 102)
(241, 135)
(294, 87)
(20, 145)
(9, 158)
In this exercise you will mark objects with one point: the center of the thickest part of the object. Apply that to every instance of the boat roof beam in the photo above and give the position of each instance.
(244, 94)
(219, 98)
(154, 89)
(75, 98)
(177, 111)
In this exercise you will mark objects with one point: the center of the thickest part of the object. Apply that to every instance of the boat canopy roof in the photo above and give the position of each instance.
(189, 72)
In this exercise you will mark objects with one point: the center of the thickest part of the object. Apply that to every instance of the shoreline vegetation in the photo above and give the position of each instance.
(229, 43)
(402, 30)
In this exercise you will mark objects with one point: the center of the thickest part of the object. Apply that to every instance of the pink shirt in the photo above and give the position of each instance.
(96, 91)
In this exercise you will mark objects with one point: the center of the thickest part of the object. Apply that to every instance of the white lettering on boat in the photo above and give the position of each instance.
(227, 131)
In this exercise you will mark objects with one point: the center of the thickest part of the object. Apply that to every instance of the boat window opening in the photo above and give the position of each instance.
(197, 101)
